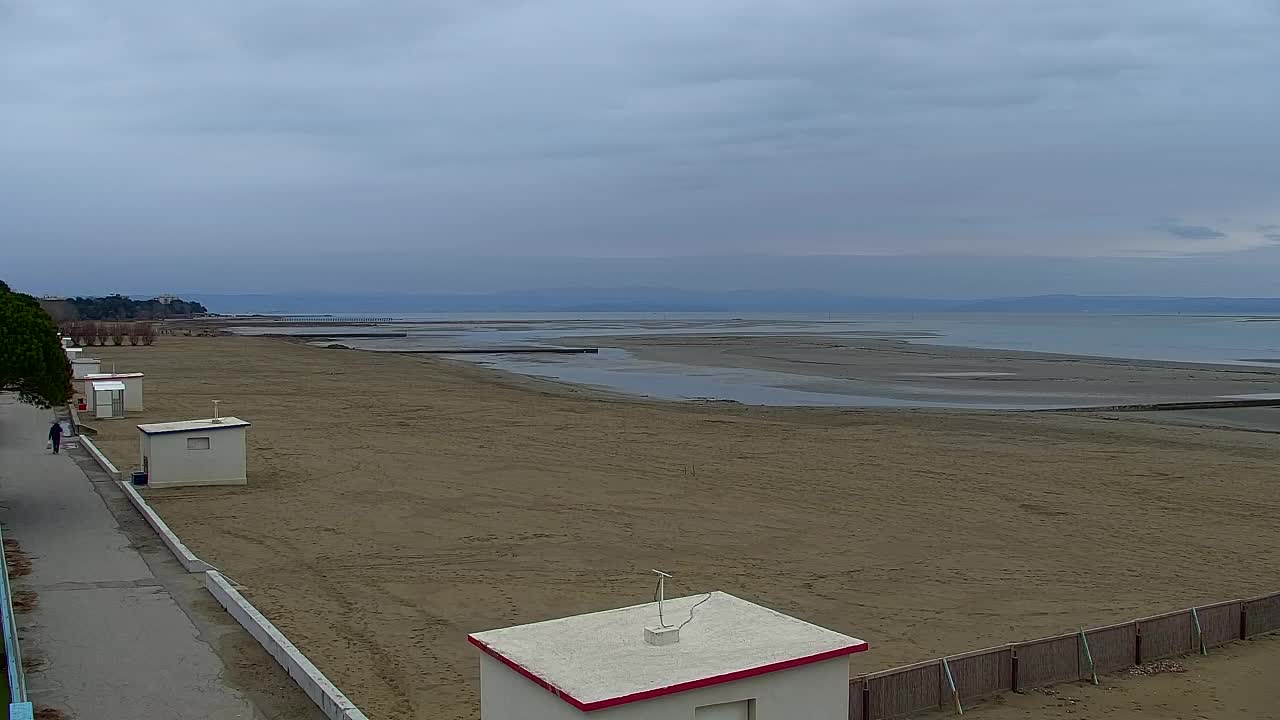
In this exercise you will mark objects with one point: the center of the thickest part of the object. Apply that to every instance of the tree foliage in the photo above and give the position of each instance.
(32, 361)
(120, 307)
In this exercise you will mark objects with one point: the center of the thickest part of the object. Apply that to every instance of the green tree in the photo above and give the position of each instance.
(32, 361)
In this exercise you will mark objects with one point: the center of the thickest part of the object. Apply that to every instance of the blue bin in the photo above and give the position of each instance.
(139, 477)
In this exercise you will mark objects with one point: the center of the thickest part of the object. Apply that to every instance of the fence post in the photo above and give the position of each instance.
(1244, 620)
(866, 700)
(951, 683)
(1195, 616)
(1137, 644)
(1093, 669)
(1015, 684)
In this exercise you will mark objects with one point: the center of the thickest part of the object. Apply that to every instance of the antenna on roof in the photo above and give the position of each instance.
(216, 417)
(663, 634)
(662, 594)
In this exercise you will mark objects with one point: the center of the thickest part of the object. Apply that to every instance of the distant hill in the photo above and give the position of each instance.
(584, 300)
(120, 307)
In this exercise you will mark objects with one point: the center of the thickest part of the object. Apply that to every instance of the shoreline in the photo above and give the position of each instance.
(861, 373)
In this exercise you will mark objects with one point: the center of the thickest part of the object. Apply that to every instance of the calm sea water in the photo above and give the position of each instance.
(1184, 338)
(1236, 340)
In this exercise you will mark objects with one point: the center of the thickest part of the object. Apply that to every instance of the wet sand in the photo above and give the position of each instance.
(914, 372)
(397, 503)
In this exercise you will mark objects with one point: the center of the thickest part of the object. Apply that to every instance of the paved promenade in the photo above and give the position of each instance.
(119, 630)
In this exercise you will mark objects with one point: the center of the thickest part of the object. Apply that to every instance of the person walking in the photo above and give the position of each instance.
(55, 436)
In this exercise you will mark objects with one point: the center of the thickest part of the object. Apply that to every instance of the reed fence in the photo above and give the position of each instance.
(952, 681)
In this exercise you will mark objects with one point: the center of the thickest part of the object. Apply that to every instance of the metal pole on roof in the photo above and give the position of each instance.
(662, 588)
(216, 417)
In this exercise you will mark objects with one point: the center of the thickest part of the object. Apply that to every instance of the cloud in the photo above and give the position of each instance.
(1187, 232)
(576, 127)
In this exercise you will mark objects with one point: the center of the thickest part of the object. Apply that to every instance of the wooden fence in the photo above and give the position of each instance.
(955, 679)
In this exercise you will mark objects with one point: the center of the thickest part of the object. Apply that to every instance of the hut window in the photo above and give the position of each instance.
(198, 443)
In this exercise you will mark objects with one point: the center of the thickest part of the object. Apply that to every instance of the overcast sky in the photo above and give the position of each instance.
(381, 138)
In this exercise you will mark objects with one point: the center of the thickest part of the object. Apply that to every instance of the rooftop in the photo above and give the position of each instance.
(601, 660)
(190, 425)
(108, 385)
(110, 376)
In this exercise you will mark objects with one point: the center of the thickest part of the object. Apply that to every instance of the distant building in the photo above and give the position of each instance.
(167, 299)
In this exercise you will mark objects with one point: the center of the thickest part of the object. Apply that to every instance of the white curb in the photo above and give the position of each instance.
(99, 458)
(322, 692)
(176, 546)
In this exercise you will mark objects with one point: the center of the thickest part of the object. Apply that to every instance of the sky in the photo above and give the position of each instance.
(267, 145)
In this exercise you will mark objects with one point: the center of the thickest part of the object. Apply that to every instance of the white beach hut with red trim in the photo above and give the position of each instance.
(729, 660)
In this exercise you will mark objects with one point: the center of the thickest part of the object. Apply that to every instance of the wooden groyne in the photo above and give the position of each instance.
(1158, 407)
(335, 336)
(492, 351)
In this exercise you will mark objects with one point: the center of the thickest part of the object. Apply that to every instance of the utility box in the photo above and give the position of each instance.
(194, 452)
(108, 399)
(726, 659)
(132, 389)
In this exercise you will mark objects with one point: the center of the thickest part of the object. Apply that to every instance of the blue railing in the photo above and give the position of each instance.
(19, 706)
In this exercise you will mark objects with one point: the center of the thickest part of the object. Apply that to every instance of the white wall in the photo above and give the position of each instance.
(819, 691)
(507, 695)
(171, 464)
(82, 367)
(132, 394)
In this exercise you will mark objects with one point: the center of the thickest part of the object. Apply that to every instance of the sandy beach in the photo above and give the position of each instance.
(397, 503)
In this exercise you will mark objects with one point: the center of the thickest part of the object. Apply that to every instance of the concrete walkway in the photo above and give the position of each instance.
(108, 637)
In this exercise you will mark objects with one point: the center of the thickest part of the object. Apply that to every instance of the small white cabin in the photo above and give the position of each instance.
(194, 452)
(72, 353)
(728, 659)
(108, 399)
(83, 367)
(132, 389)
(68, 343)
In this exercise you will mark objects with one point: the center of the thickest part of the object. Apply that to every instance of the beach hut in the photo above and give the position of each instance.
(72, 353)
(108, 399)
(68, 343)
(194, 452)
(132, 389)
(705, 657)
(83, 367)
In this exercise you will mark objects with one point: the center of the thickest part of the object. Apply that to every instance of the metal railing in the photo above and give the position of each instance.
(19, 706)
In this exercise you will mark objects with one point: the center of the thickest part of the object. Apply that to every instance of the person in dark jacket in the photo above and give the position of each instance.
(55, 436)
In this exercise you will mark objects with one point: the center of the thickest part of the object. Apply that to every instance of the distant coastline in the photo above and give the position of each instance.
(658, 300)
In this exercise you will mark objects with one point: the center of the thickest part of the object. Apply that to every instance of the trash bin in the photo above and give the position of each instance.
(139, 477)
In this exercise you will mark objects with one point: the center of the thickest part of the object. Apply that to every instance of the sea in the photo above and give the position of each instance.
(1243, 340)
